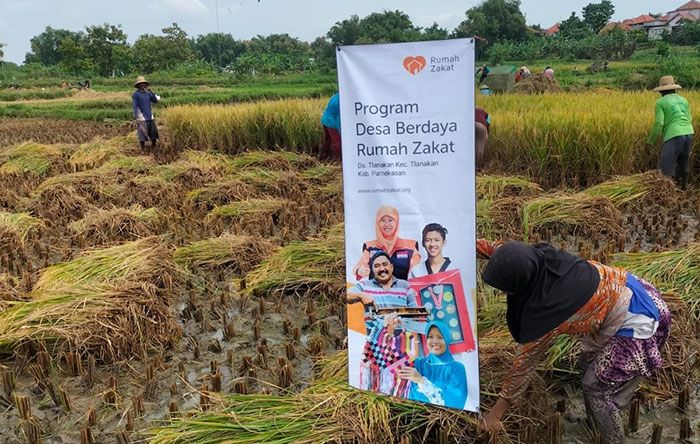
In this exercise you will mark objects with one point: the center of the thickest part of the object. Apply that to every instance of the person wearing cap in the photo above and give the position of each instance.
(142, 98)
(673, 121)
(622, 322)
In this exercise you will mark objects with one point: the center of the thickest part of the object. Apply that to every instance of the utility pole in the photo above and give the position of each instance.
(218, 33)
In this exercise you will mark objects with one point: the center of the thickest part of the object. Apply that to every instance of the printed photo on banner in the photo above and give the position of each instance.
(409, 193)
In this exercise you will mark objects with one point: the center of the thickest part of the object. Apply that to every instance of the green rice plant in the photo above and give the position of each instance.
(313, 265)
(29, 159)
(484, 223)
(21, 224)
(239, 253)
(673, 270)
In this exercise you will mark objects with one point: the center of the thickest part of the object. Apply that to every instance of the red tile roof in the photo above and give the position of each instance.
(692, 4)
(552, 29)
(639, 20)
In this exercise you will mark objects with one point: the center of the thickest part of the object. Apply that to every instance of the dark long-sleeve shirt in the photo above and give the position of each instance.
(142, 104)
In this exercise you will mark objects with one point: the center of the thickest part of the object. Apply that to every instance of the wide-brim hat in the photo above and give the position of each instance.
(141, 79)
(667, 83)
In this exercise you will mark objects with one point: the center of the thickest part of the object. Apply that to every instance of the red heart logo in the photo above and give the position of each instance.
(414, 65)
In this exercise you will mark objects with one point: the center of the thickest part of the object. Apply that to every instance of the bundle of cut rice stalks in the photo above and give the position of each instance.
(94, 154)
(236, 253)
(58, 203)
(209, 161)
(116, 225)
(672, 270)
(637, 190)
(148, 191)
(273, 160)
(280, 184)
(21, 225)
(329, 411)
(30, 161)
(113, 302)
(220, 193)
(315, 266)
(577, 214)
(681, 354)
(272, 217)
(495, 187)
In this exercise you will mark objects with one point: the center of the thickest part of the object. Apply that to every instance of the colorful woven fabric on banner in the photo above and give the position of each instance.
(384, 354)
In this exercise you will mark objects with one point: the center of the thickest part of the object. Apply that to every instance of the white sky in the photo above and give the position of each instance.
(20, 20)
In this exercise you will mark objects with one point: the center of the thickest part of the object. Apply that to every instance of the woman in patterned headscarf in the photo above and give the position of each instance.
(402, 252)
(621, 319)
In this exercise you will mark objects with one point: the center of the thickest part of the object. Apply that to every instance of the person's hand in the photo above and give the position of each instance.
(363, 271)
(491, 424)
(391, 321)
(410, 374)
(366, 299)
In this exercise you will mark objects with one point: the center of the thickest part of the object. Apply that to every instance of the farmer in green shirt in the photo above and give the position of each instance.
(674, 122)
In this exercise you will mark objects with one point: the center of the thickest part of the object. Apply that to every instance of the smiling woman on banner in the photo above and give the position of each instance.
(434, 240)
(437, 378)
(402, 252)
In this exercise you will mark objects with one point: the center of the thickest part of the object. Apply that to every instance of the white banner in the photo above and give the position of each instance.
(407, 125)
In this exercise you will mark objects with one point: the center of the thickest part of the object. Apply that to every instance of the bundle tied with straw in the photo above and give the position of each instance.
(112, 302)
(315, 266)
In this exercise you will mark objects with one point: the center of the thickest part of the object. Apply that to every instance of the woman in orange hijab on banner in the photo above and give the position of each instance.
(402, 252)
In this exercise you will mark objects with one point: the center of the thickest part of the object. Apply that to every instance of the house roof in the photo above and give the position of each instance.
(688, 16)
(613, 25)
(552, 29)
(639, 20)
(692, 4)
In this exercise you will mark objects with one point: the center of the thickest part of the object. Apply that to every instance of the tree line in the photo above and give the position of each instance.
(499, 25)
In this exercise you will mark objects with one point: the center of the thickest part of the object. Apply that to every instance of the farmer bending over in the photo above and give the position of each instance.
(674, 121)
(621, 319)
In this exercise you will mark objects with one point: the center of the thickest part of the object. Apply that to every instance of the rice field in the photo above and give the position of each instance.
(194, 295)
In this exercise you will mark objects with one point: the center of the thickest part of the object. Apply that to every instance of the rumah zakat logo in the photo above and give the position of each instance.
(414, 65)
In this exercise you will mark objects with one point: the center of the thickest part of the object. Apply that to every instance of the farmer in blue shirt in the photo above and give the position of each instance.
(331, 127)
(142, 98)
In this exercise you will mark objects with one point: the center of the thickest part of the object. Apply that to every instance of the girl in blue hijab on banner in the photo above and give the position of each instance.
(437, 378)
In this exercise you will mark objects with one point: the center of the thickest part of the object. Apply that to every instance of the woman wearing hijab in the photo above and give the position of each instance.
(433, 240)
(437, 378)
(402, 252)
(621, 319)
